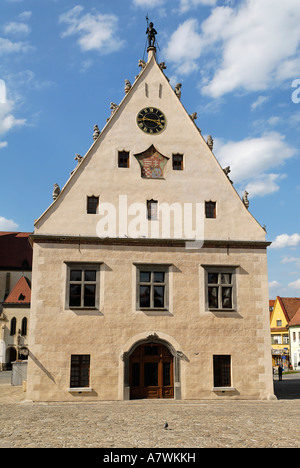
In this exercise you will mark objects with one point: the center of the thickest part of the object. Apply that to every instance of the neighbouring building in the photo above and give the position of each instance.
(15, 277)
(149, 272)
(294, 332)
(14, 324)
(282, 312)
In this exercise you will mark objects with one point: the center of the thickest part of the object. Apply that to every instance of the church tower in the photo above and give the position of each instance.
(149, 271)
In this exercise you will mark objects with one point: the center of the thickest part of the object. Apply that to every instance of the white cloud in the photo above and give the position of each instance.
(285, 240)
(7, 46)
(252, 157)
(3, 144)
(7, 120)
(20, 29)
(96, 31)
(264, 184)
(148, 3)
(295, 284)
(25, 15)
(294, 260)
(274, 285)
(185, 47)
(255, 46)
(259, 102)
(186, 5)
(7, 224)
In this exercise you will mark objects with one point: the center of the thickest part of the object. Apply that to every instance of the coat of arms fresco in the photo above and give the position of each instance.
(152, 163)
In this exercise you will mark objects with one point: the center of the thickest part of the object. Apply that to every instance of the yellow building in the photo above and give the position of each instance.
(282, 310)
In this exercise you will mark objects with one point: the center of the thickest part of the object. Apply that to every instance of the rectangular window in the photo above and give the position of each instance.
(92, 205)
(83, 286)
(123, 159)
(177, 162)
(222, 371)
(152, 287)
(279, 323)
(220, 288)
(80, 370)
(210, 209)
(152, 209)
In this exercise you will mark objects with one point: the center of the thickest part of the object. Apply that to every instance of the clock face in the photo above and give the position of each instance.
(151, 120)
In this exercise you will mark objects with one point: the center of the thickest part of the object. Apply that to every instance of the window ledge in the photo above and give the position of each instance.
(221, 310)
(223, 389)
(80, 390)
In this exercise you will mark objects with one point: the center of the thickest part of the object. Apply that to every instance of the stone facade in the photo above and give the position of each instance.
(192, 331)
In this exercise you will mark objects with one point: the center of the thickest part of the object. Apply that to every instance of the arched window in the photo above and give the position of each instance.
(24, 327)
(13, 326)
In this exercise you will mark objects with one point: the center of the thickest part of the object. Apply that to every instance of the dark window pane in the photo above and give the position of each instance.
(210, 209)
(213, 298)
(136, 374)
(90, 275)
(80, 371)
(89, 295)
(92, 205)
(177, 162)
(227, 298)
(226, 278)
(159, 292)
(123, 159)
(150, 374)
(75, 275)
(159, 277)
(151, 350)
(222, 374)
(144, 296)
(166, 373)
(145, 276)
(212, 278)
(75, 295)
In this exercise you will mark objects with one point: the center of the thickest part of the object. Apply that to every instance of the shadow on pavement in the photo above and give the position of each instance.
(288, 388)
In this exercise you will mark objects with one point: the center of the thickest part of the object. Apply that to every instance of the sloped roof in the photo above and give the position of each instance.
(290, 306)
(21, 293)
(15, 251)
(296, 319)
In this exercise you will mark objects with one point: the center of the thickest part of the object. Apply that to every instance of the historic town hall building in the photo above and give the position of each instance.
(149, 272)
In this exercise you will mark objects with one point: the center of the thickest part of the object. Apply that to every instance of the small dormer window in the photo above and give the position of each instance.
(21, 297)
(177, 161)
(92, 205)
(210, 209)
(123, 159)
(152, 209)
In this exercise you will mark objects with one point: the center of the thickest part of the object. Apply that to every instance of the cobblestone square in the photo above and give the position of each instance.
(140, 423)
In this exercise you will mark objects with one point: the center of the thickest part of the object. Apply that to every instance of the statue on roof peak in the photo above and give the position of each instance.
(151, 32)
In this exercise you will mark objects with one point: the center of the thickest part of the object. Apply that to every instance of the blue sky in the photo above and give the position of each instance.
(62, 62)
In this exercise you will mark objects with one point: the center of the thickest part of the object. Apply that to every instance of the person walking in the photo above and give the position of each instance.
(280, 372)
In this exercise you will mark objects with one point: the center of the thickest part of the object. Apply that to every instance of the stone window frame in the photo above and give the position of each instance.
(221, 269)
(83, 266)
(158, 267)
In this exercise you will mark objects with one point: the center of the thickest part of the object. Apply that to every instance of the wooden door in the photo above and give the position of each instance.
(151, 372)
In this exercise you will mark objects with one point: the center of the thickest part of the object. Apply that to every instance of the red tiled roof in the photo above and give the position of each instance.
(15, 251)
(290, 306)
(21, 293)
(296, 319)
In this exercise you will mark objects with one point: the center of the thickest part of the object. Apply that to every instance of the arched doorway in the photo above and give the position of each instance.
(151, 371)
(11, 355)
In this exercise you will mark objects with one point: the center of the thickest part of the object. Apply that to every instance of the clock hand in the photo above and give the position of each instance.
(151, 120)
